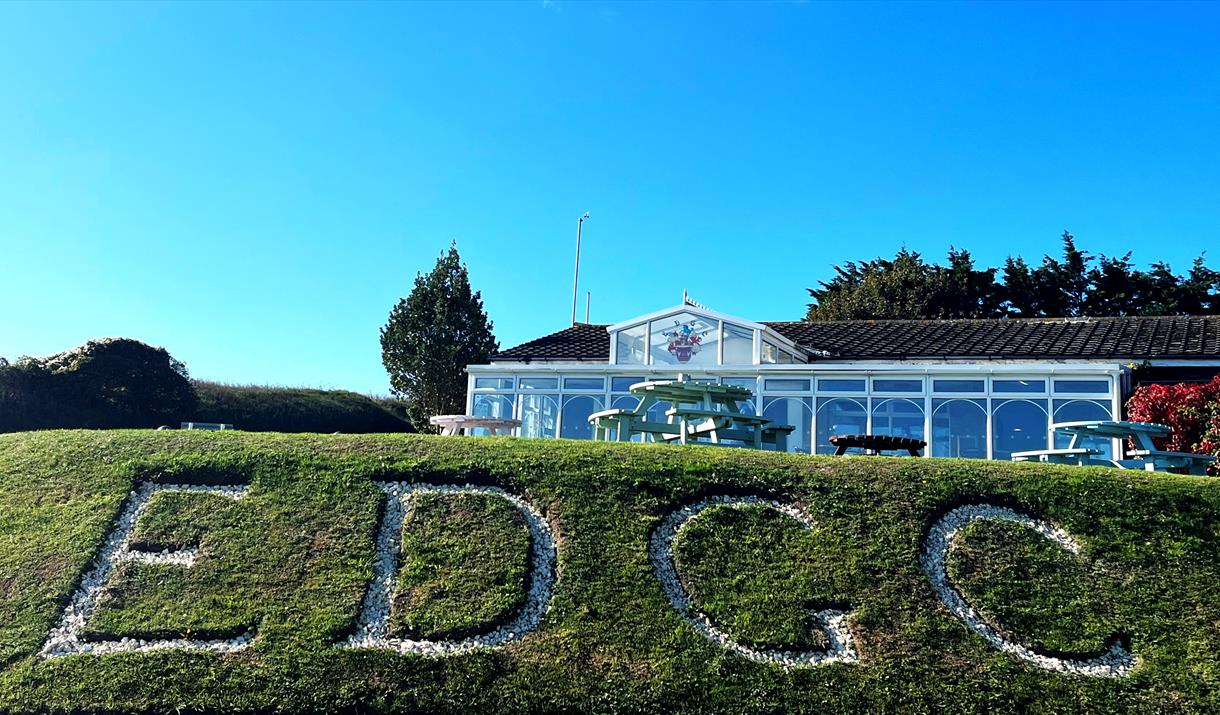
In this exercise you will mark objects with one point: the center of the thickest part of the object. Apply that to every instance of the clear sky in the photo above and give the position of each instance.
(253, 186)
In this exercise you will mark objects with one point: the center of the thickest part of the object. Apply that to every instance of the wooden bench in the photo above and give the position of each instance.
(876, 443)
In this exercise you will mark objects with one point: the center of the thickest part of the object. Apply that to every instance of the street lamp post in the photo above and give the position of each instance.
(576, 274)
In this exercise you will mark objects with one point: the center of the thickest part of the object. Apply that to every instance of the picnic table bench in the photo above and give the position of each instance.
(876, 443)
(1078, 456)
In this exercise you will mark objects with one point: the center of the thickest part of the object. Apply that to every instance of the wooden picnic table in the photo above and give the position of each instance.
(697, 410)
(455, 424)
(876, 443)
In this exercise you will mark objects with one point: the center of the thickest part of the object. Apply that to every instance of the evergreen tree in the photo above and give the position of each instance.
(1076, 284)
(430, 338)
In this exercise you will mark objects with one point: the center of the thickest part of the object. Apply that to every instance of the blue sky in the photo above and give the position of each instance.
(253, 186)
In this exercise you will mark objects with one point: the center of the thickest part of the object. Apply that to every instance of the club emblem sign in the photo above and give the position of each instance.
(685, 340)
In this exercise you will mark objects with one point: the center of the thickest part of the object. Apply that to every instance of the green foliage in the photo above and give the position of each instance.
(907, 287)
(430, 338)
(293, 558)
(464, 566)
(294, 409)
(114, 382)
(1077, 284)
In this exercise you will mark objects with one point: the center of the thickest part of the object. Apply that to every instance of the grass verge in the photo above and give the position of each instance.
(292, 559)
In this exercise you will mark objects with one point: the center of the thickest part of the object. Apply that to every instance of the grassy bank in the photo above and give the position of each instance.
(255, 408)
(292, 559)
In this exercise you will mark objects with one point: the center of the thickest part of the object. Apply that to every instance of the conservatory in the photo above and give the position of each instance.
(969, 388)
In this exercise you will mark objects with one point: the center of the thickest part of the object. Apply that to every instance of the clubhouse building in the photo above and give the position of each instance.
(970, 388)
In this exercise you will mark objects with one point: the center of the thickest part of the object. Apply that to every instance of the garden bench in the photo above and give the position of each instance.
(876, 443)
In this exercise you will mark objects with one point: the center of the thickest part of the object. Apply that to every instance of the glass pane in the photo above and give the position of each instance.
(785, 357)
(1018, 385)
(898, 418)
(786, 385)
(500, 406)
(539, 415)
(623, 384)
(738, 345)
(795, 411)
(584, 383)
(631, 345)
(1094, 387)
(892, 385)
(539, 383)
(840, 385)
(495, 383)
(576, 411)
(839, 415)
(684, 339)
(1081, 411)
(747, 382)
(959, 428)
(1017, 426)
(770, 353)
(958, 386)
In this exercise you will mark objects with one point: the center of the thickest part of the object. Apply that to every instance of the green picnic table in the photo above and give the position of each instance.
(697, 410)
(1145, 456)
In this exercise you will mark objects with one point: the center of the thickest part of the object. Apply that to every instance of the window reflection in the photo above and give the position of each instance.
(795, 411)
(898, 418)
(630, 348)
(1082, 411)
(498, 406)
(738, 345)
(576, 411)
(959, 428)
(539, 415)
(839, 415)
(1017, 426)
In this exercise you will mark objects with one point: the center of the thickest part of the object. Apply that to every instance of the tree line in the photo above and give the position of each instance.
(1076, 284)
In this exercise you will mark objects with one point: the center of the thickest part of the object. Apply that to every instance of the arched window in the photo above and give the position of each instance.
(499, 406)
(576, 411)
(1017, 426)
(898, 417)
(795, 411)
(959, 428)
(1081, 411)
(838, 415)
(539, 415)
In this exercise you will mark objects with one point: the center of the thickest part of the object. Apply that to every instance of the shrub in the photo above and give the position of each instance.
(1191, 409)
(107, 383)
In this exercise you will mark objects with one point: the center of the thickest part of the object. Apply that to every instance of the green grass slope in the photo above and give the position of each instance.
(254, 408)
(292, 559)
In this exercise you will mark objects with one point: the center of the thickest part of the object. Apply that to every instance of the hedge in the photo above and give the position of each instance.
(294, 409)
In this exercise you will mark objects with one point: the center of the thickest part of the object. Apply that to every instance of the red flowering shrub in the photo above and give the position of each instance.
(1192, 410)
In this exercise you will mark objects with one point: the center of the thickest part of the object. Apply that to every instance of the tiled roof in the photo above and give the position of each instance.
(583, 341)
(1134, 338)
(1137, 338)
